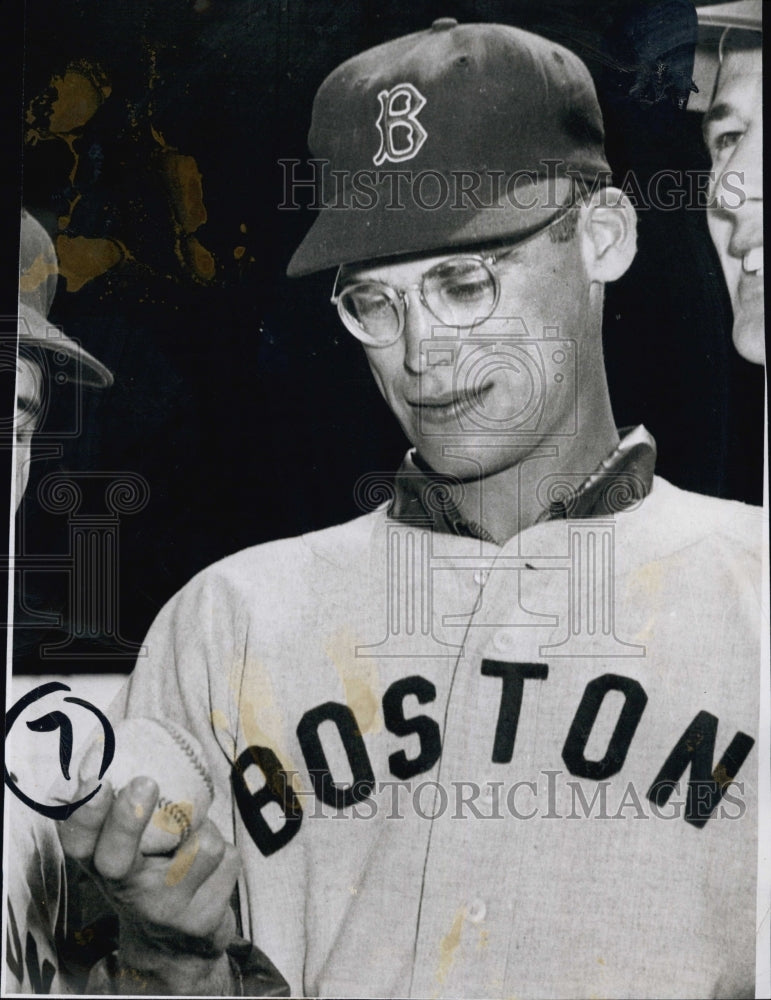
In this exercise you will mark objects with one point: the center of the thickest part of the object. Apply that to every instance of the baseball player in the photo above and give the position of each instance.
(733, 132)
(496, 735)
(36, 919)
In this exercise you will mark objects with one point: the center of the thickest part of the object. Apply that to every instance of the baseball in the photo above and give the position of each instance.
(173, 758)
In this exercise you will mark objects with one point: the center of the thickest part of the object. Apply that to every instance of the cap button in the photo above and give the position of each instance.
(444, 24)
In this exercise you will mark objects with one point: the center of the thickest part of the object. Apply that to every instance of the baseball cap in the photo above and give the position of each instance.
(456, 135)
(38, 269)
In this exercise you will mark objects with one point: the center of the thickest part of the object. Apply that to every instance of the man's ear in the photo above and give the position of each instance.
(608, 234)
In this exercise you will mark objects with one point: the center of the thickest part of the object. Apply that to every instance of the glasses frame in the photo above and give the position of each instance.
(398, 296)
(734, 29)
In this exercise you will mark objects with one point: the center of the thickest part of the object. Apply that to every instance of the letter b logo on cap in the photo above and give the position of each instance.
(401, 134)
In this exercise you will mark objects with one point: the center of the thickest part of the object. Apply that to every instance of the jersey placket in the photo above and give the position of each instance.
(477, 850)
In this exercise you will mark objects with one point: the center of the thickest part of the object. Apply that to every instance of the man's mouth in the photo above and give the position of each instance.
(452, 403)
(752, 261)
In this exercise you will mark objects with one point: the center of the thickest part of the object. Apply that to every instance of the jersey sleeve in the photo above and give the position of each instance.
(188, 672)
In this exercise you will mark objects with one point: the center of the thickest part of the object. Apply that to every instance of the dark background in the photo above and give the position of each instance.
(238, 397)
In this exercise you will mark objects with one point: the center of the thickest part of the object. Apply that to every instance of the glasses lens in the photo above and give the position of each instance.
(370, 312)
(460, 292)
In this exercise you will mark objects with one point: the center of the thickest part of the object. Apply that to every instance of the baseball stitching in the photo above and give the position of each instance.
(191, 756)
(178, 815)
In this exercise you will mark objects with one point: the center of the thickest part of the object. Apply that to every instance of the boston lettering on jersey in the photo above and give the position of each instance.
(694, 750)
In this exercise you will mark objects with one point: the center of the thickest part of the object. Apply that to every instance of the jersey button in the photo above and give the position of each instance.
(490, 790)
(480, 577)
(476, 911)
(503, 641)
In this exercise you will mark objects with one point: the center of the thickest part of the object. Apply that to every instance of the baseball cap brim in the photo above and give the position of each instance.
(349, 235)
(38, 270)
(739, 14)
(77, 364)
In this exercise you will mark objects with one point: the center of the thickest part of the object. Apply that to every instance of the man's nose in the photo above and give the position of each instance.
(418, 324)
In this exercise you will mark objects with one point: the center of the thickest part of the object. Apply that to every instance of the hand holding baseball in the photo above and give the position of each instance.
(174, 908)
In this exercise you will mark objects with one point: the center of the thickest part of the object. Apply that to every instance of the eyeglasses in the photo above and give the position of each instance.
(462, 291)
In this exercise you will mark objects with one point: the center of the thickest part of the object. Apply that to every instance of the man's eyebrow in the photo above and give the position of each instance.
(716, 113)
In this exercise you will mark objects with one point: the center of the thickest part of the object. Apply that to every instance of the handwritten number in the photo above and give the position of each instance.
(49, 724)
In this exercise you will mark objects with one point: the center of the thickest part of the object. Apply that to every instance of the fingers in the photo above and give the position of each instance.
(118, 843)
(104, 833)
(79, 833)
(199, 877)
(187, 894)
(196, 859)
(210, 905)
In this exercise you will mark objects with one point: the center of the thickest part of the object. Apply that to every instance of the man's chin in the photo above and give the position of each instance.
(460, 458)
(749, 337)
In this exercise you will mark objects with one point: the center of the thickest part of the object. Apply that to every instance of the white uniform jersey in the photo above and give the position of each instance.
(520, 771)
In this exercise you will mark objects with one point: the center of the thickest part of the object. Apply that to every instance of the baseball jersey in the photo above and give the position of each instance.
(454, 768)
(34, 903)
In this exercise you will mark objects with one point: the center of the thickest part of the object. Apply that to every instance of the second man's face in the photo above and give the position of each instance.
(29, 387)
(733, 129)
(477, 401)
